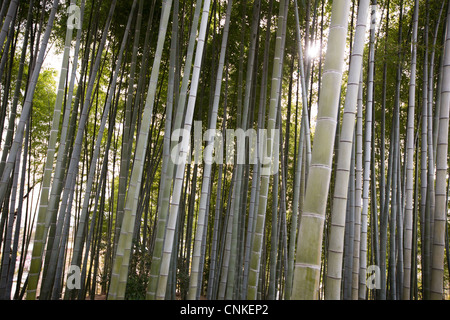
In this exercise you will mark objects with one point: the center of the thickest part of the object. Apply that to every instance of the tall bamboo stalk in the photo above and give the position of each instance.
(122, 257)
(437, 261)
(183, 154)
(84, 211)
(206, 184)
(168, 170)
(73, 168)
(268, 146)
(307, 264)
(410, 159)
(26, 109)
(336, 242)
(368, 140)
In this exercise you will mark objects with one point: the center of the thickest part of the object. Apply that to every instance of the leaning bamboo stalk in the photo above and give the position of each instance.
(305, 138)
(336, 242)
(4, 6)
(432, 77)
(73, 165)
(26, 109)
(6, 262)
(254, 195)
(193, 284)
(7, 22)
(48, 166)
(12, 269)
(87, 194)
(268, 147)
(183, 154)
(168, 170)
(307, 264)
(121, 262)
(16, 95)
(127, 139)
(9, 46)
(66, 138)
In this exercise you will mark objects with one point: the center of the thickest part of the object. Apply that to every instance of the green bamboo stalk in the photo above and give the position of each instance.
(226, 244)
(18, 218)
(11, 47)
(238, 213)
(4, 6)
(432, 77)
(167, 176)
(7, 263)
(383, 188)
(336, 242)
(183, 152)
(307, 265)
(215, 251)
(128, 135)
(66, 138)
(73, 166)
(48, 167)
(305, 138)
(437, 261)
(122, 257)
(426, 246)
(368, 145)
(16, 95)
(7, 22)
(256, 167)
(410, 159)
(360, 234)
(26, 109)
(87, 194)
(193, 284)
(268, 152)
(349, 228)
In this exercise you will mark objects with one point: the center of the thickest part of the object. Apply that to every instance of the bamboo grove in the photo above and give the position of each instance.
(115, 115)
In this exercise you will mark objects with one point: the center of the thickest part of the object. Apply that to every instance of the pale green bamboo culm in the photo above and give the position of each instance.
(243, 115)
(168, 166)
(337, 230)
(48, 167)
(26, 110)
(122, 258)
(309, 248)
(183, 152)
(437, 262)
(410, 160)
(360, 291)
(7, 22)
(84, 211)
(193, 284)
(257, 245)
(305, 136)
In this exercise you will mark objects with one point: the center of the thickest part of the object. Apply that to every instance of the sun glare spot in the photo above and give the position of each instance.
(313, 50)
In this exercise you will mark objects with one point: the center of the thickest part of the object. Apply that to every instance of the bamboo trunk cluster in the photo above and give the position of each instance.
(339, 187)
